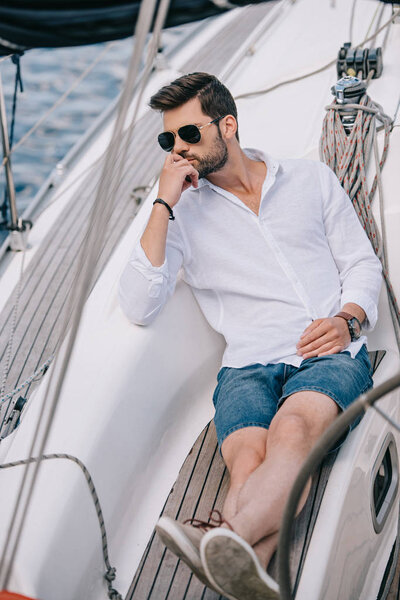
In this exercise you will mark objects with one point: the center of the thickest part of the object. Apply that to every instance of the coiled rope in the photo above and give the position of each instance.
(348, 157)
(109, 575)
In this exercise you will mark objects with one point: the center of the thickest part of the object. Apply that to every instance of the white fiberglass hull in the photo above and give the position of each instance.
(135, 399)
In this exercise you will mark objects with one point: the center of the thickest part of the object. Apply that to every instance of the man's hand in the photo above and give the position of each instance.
(173, 178)
(323, 337)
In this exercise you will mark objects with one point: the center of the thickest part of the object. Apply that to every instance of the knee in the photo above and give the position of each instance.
(243, 462)
(291, 429)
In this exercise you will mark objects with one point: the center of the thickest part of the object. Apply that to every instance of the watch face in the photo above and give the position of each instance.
(354, 328)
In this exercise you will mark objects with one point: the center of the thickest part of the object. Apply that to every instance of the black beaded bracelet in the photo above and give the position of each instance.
(161, 201)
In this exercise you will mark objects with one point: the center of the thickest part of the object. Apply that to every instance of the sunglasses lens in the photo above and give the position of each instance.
(189, 134)
(166, 140)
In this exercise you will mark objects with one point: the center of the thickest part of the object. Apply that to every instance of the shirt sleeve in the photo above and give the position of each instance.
(145, 288)
(359, 268)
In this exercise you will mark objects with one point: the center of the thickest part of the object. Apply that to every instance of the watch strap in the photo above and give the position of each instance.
(348, 317)
(345, 315)
(350, 324)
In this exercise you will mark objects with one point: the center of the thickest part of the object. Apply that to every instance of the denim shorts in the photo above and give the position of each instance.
(251, 396)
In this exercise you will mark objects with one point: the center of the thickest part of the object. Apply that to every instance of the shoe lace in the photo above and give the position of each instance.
(213, 521)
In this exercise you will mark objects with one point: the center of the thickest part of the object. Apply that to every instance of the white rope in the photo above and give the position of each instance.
(381, 200)
(153, 49)
(372, 43)
(316, 71)
(87, 262)
(353, 12)
(370, 26)
(39, 371)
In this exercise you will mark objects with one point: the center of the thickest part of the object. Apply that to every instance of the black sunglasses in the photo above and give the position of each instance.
(188, 133)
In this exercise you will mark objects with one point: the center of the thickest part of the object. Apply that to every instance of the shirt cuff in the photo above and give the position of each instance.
(139, 261)
(154, 275)
(366, 303)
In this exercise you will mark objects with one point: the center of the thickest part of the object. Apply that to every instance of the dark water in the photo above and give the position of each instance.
(46, 75)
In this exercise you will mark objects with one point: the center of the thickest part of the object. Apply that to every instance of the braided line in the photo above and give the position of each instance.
(348, 156)
(110, 573)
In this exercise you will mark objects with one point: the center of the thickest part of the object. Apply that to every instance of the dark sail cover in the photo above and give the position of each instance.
(28, 24)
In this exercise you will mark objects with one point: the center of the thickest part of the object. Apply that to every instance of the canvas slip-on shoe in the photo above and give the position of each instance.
(233, 568)
(184, 541)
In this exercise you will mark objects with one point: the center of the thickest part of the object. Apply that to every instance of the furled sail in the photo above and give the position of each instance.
(26, 24)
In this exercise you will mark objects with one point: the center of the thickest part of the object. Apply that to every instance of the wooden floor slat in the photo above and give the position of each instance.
(161, 575)
(201, 486)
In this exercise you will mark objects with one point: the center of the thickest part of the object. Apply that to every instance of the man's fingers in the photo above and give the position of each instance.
(319, 330)
(192, 173)
(323, 350)
(334, 350)
(312, 327)
(191, 178)
(317, 344)
(176, 157)
(195, 177)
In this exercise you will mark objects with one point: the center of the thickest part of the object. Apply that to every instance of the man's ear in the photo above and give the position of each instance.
(228, 126)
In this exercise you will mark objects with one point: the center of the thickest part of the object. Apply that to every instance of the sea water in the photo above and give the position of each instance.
(46, 75)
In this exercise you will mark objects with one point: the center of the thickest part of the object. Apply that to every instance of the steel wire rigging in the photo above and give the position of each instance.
(91, 249)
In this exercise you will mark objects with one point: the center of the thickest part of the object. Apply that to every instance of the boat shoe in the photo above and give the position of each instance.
(233, 568)
(184, 540)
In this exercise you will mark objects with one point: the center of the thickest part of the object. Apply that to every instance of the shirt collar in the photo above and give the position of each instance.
(255, 154)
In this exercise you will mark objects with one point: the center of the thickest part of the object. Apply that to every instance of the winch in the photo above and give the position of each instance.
(348, 90)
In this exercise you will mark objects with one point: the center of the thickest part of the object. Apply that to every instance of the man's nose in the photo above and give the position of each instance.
(180, 145)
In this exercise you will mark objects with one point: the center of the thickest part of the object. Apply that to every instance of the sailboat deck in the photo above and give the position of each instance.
(200, 487)
(43, 308)
(47, 281)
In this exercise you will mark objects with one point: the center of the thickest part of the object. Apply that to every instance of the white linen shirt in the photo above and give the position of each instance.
(260, 280)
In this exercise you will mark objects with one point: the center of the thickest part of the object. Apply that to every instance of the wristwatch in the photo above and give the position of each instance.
(353, 324)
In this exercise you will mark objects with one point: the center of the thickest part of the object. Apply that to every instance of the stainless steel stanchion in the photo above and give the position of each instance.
(18, 229)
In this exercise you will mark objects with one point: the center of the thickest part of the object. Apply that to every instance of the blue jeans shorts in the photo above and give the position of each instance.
(251, 396)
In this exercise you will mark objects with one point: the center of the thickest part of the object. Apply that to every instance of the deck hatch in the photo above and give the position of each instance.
(385, 480)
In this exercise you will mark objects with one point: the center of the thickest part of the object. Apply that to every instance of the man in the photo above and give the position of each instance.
(280, 265)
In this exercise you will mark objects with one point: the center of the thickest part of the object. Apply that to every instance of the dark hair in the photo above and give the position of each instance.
(215, 99)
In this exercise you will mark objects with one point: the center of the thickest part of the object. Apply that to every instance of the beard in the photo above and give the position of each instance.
(214, 160)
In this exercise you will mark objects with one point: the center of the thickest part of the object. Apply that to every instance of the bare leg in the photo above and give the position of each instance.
(293, 431)
(243, 451)
(265, 548)
(267, 545)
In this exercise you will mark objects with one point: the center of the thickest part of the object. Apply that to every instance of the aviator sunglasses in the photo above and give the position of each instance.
(188, 133)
